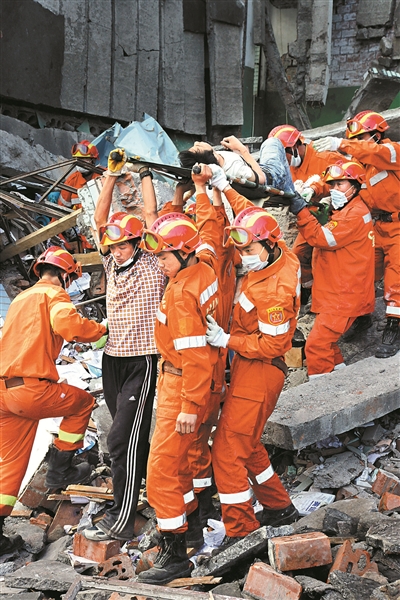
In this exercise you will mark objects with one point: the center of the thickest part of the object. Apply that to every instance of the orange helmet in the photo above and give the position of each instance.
(288, 135)
(365, 122)
(120, 228)
(172, 231)
(84, 149)
(352, 170)
(59, 258)
(252, 224)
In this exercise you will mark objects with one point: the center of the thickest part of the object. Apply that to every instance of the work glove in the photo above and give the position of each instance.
(136, 167)
(297, 204)
(327, 143)
(105, 323)
(218, 180)
(215, 335)
(114, 165)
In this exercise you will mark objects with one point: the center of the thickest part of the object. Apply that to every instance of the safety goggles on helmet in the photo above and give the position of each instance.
(173, 231)
(84, 150)
(350, 170)
(239, 236)
(365, 122)
(122, 227)
(153, 242)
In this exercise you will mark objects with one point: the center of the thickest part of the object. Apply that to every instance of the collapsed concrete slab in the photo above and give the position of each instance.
(334, 403)
(43, 575)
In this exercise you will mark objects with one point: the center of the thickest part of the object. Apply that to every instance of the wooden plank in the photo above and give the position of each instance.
(41, 235)
(73, 589)
(89, 259)
(187, 581)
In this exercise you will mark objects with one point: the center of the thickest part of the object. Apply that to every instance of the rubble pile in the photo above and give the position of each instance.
(346, 545)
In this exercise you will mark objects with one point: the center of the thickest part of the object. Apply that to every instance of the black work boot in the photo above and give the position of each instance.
(61, 473)
(390, 339)
(359, 325)
(278, 517)
(207, 509)
(171, 561)
(194, 534)
(8, 545)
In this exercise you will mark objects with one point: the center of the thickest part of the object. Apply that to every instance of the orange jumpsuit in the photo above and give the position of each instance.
(313, 163)
(382, 164)
(180, 337)
(211, 222)
(343, 267)
(263, 324)
(37, 322)
(76, 180)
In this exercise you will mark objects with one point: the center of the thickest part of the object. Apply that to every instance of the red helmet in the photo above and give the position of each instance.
(172, 231)
(252, 224)
(84, 149)
(59, 258)
(352, 170)
(288, 135)
(365, 122)
(120, 228)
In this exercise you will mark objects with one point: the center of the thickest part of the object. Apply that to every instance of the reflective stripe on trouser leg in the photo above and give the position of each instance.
(168, 467)
(267, 486)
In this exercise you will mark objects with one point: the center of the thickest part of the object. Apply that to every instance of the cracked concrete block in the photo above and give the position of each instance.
(353, 587)
(338, 470)
(313, 587)
(357, 508)
(249, 546)
(390, 591)
(75, 65)
(148, 59)
(57, 550)
(42, 575)
(123, 80)
(334, 403)
(195, 101)
(372, 14)
(385, 535)
(34, 537)
(338, 523)
(367, 520)
(98, 75)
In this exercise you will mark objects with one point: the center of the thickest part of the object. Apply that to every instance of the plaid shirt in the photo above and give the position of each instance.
(133, 297)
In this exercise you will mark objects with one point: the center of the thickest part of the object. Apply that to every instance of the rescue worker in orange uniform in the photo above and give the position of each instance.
(306, 166)
(343, 265)
(87, 152)
(263, 323)
(366, 142)
(38, 321)
(184, 383)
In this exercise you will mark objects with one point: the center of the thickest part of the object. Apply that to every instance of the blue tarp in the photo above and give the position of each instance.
(145, 139)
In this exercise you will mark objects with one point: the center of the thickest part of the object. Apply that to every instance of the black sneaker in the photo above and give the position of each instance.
(171, 561)
(276, 518)
(360, 324)
(390, 344)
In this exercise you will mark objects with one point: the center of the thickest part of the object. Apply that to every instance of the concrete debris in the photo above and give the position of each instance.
(353, 587)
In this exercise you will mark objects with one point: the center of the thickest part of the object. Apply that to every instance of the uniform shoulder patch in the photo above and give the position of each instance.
(331, 225)
(275, 315)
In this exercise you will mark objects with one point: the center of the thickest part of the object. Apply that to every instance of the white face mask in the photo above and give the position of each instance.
(339, 199)
(82, 170)
(252, 262)
(295, 160)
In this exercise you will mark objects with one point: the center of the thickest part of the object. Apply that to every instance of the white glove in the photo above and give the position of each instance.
(135, 167)
(327, 143)
(218, 180)
(307, 194)
(215, 335)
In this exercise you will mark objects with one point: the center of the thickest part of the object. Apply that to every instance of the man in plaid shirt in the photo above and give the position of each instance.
(135, 286)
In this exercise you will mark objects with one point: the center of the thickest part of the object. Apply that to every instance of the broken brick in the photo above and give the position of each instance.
(301, 551)
(357, 561)
(147, 559)
(264, 583)
(97, 551)
(117, 567)
(389, 502)
(43, 521)
(386, 482)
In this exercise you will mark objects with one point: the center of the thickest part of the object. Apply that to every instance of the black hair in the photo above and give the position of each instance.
(47, 268)
(189, 158)
(356, 184)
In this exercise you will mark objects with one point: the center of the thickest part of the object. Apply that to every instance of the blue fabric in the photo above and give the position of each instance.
(273, 161)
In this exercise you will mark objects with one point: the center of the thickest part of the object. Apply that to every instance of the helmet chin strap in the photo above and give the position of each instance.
(183, 261)
(271, 251)
(62, 278)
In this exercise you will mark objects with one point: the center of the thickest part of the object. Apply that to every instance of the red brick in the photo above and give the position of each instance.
(263, 583)
(386, 482)
(301, 551)
(147, 559)
(43, 521)
(117, 567)
(357, 562)
(97, 551)
(389, 502)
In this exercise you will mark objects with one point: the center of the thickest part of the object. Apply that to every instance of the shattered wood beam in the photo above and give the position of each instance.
(275, 66)
(41, 235)
(42, 209)
(90, 262)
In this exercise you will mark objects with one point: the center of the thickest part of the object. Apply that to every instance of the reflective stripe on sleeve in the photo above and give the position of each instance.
(171, 524)
(208, 292)
(57, 308)
(245, 303)
(6, 500)
(72, 438)
(274, 329)
(50, 292)
(237, 498)
(265, 475)
(161, 316)
(188, 497)
(367, 218)
(330, 238)
(202, 483)
(192, 341)
(205, 247)
(378, 177)
(393, 157)
(393, 310)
